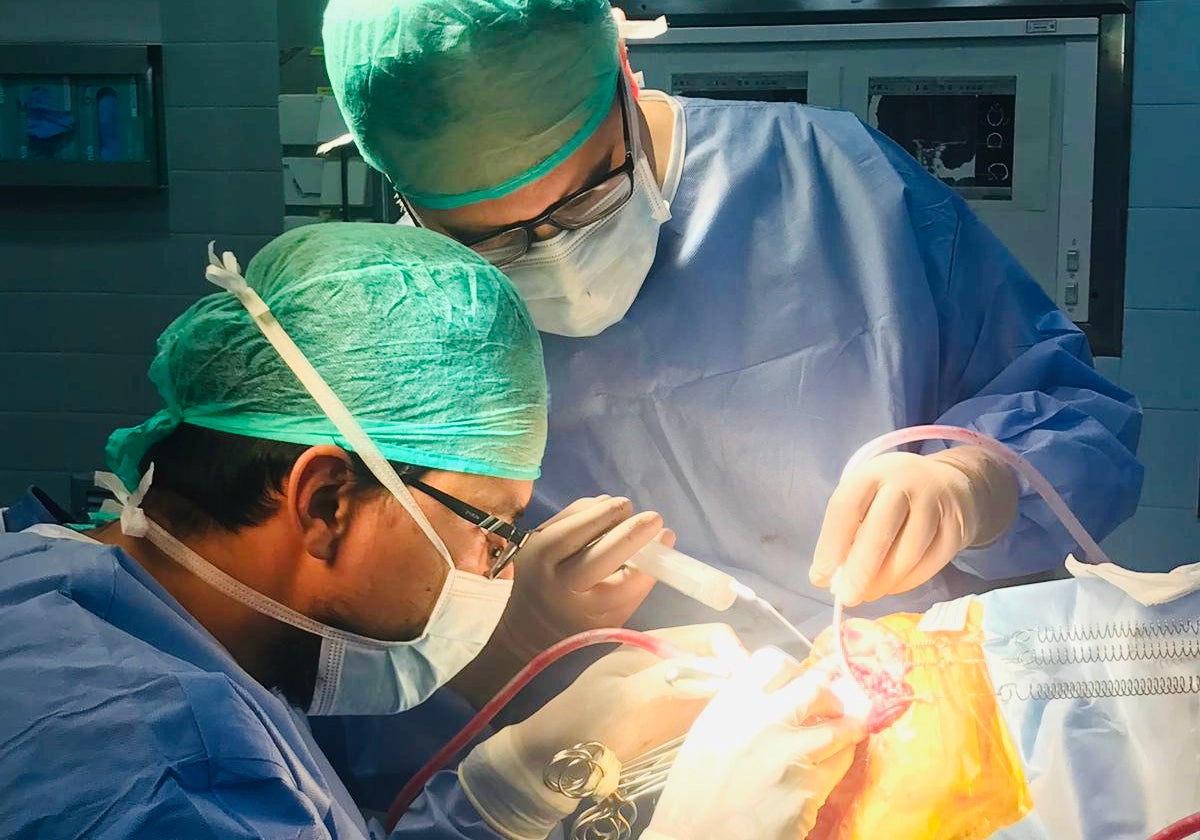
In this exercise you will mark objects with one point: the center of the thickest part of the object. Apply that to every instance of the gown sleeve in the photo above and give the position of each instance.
(1015, 367)
(265, 808)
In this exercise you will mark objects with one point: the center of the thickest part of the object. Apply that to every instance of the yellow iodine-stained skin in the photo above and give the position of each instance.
(948, 768)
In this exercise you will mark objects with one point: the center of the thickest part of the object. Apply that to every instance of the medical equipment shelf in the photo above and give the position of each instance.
(81, 116)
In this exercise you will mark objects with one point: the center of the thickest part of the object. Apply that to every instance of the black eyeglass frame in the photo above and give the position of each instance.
(527, 227)
(514, 537)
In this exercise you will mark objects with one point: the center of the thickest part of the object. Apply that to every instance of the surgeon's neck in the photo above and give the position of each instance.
(275, 654)
(658, 135)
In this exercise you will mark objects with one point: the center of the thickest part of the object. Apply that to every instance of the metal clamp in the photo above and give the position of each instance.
(588, 770)
(592, 771)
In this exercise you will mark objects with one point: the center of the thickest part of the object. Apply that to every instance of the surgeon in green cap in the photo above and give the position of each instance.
(323, 520)
(734, 296)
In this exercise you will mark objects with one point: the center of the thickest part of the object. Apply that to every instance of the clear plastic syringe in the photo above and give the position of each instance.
(701, 582)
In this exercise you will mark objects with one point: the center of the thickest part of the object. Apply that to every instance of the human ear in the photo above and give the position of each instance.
(319, 499)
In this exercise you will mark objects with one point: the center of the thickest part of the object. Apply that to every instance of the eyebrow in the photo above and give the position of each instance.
(500, 507)
(603, 167)
(468, 231)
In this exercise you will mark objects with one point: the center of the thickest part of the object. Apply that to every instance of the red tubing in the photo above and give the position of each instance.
(539, 663)
(1186, 827)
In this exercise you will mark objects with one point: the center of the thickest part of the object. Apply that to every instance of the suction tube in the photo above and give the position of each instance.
(1091, 549)
(1186, 827)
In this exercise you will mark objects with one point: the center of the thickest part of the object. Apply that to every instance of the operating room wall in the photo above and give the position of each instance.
(88, 278)
(1161, 359)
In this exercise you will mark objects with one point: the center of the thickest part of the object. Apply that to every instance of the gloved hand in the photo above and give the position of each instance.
(623, 701)
(569, 576)
(761, 760)
(898, 519)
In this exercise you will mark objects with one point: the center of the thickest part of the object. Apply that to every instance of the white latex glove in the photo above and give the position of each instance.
(761, 760)
(569, 576)
(623, 701)
(896, 520)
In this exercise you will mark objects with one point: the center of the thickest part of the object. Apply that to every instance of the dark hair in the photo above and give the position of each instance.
(205, 480)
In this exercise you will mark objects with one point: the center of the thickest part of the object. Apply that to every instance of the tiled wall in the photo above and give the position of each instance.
(88, 280)
(1161, 360)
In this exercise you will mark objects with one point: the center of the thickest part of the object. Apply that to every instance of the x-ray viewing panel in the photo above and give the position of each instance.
(922, 86)
(960, 129)
(1006, 119)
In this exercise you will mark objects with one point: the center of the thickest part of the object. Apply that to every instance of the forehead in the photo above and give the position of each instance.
(509, 498)
(532, 199)
(504, 497)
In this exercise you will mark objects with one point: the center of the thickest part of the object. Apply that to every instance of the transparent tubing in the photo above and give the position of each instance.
(1091, 549)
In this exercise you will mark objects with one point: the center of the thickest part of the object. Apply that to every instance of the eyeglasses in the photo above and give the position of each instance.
(584, 207)
(514, 537)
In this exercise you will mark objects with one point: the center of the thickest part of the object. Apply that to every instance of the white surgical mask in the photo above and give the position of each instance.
(583, 281)
(356, 675)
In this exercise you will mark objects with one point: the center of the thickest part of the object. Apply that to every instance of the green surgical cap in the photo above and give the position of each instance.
(459, 101)
(429, 347)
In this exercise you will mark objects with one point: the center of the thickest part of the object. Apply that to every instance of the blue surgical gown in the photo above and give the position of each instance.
(813, 289)
(123, 718)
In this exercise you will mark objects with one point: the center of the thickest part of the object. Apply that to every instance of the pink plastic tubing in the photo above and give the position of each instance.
(539, 663)
(1186, 827)
(1092, 551)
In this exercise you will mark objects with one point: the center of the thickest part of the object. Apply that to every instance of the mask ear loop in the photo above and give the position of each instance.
(135, 523)
(226, 273)
(631, 114)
